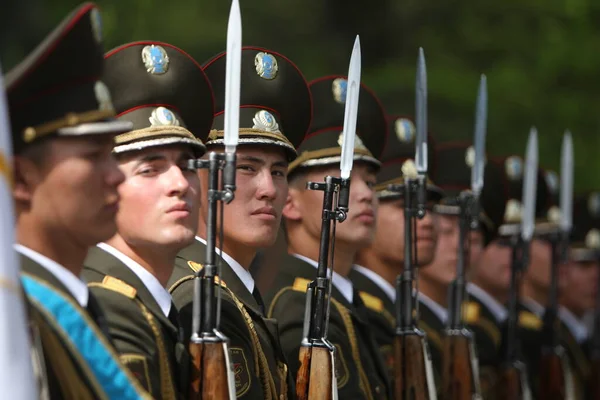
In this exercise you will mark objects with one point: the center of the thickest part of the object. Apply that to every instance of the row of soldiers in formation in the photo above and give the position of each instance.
(111, 227)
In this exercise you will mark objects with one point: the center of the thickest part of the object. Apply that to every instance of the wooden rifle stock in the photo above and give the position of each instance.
(594, 380)
(457, 373)
(315, 368)
(509, 387)
(208, 378)
(552, 378)
(410, 380)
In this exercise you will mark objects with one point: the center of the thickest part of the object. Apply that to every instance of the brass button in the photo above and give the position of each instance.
(378, 389)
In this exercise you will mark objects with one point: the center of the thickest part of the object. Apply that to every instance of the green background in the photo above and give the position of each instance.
(541, 57)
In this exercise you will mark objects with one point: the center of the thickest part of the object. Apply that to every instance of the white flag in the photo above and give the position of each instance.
(16, 373)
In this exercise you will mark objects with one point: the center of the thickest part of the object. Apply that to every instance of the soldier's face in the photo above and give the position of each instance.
(493, 268)
(252, 219)
(443, 267)
(358, 229)
(579, 286)
(159, 198)
(538, 271)
(72, 191)
(389, 236)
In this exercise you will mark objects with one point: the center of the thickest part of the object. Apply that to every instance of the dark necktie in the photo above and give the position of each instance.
(259, 300)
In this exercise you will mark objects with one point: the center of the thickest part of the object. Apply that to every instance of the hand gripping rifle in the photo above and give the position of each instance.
(413, 373)
(556, 380)
(316, 376)
(212, 374)
(514, 382)
(460, 379)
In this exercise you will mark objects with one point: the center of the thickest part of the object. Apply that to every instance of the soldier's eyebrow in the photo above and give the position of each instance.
(150, 158)
(260, 161)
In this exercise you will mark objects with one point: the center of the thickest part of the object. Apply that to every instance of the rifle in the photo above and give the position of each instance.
(459, 377)
(413, 376)
(211, 374)
(316, 375)
(556, 381)
(514, 383)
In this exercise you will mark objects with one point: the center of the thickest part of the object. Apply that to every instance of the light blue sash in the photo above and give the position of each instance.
(105, 369)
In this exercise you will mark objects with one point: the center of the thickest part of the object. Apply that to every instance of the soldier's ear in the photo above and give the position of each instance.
(291, 209)
(26, 177)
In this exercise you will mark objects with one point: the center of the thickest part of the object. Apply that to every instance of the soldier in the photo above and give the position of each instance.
(360, 369)
(275, 112)
(66, 199)
(378, 265)
(167, 97)
(579, 284)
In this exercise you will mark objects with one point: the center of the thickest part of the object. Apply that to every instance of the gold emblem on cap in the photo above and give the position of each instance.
(409, 169)
(553, 214)
(405, 130)
(29, 134)
(594, 204)
(514, 168)
(103, 96)
(155, 59)
(513, 211)
(96, 21)
(358, 143)
(339, 88)
(162, 116)
(470, 157)
(266, 65)
(265, 121)
(592, 239)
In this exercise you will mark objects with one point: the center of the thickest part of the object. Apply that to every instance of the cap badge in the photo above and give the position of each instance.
(592, 239)
(552, 181)
(409, 169)
(96, 21)
(513, 211)
(266, 65)
(155, 59)
(162, 116)
(103, 96)
(265, 121)
(594, 204)
(514, 168)
(405, 130)
(339, 88)
(358, 143)
(553, 214)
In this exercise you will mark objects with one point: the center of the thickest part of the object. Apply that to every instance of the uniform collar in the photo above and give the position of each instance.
(437, 309)
(240, 271)
(377, 279)
(344, 285)
(533, 306)
(496, 308)
(74, 284)
(158, 291)
(575, 325)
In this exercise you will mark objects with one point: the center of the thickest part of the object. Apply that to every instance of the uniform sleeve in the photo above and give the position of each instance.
(287, 308)
(132, 336)
(248, 384)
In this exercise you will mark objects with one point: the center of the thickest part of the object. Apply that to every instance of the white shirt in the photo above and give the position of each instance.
(158, 291)
(575, 325)
(497, 309)
(437, 309)
(377, 279)
(344, 285)
(240, 271)
(72, 282)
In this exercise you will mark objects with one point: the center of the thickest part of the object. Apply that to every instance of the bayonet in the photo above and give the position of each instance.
(566, 184)
(480, 134)
(421, 115)
(351, 111)
(530, 186)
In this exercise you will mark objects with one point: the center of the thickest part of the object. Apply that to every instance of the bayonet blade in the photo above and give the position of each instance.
(566, 183)
(530, 186)
(480, 134)
(351, 111)
(421, 115)
(233, 67)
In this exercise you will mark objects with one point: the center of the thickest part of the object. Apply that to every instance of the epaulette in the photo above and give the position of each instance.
(117, 285)
(530, 320)
(301, 284)
(471, 311)
(372, 302)
(197, 267)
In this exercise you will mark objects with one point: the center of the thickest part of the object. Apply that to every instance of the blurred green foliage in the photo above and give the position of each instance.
(541, 57)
